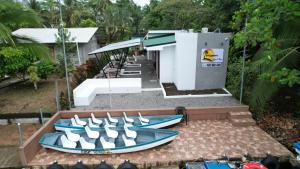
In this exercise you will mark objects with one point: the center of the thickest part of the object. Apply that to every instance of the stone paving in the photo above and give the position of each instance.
(197, 140)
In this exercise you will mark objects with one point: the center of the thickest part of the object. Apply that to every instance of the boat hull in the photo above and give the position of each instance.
(113, 151)
(146, 139)
(157, 125)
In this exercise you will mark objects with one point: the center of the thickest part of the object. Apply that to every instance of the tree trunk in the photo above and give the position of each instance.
(35, 85)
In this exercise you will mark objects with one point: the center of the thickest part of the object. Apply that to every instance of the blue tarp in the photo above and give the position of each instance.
(216, 165)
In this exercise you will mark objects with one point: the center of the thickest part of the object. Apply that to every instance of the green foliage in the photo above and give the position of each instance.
(33, 75)
(272, 38)
(15, 60)
(87, 23)
(188, 14)
(283, 76)
(262, 16)
(45, 68)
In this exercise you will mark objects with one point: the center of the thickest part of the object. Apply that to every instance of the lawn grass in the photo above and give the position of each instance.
(23, 98)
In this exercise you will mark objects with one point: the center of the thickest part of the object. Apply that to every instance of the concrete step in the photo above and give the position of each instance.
(240, 115)
(243, 122)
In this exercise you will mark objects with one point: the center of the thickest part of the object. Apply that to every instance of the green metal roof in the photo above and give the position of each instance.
(156, 40)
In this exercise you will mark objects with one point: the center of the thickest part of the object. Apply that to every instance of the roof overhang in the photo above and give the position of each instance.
(118, 45)
(159, 47)
(49, 35)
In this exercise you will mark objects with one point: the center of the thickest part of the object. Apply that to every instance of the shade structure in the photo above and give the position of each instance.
(118, 45)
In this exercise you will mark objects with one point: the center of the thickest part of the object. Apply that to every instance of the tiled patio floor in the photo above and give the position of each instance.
(200, 139)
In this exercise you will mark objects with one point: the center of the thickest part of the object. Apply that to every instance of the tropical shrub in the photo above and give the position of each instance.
(272, 39)
(15, 60)
(45, 68)
(33, 75)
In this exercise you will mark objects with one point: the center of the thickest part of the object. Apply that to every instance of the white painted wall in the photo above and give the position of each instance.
(167, 56)
(85, 93)
(185, 61)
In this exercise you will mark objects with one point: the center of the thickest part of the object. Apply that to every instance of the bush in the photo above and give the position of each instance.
(45, 68)
(84, 71)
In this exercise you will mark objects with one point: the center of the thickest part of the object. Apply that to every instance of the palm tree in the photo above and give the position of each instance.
(14, 15)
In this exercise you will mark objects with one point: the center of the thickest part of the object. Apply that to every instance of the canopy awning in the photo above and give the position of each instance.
(159, 47)
(118, 45)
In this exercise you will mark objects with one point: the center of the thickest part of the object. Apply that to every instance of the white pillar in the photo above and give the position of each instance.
(78, 53)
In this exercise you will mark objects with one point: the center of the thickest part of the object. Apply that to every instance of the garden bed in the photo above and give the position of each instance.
(171, 90)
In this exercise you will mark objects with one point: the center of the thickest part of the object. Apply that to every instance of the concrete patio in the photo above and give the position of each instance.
(154, 99)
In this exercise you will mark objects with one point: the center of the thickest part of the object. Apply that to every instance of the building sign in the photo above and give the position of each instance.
(211, 57)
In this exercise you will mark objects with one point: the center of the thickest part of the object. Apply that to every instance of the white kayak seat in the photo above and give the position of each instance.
(86, 145)
(78, 121)
(73, 122)
(108, 124)
(91, 133)
(107, 144)
(128, 142)
(129, 120)
(72, 136)
(143, 119)
(130, 133)
(95, 120)
(91, 124)
(66, 143)
(112, 120)
(127, 124)
(111, 133)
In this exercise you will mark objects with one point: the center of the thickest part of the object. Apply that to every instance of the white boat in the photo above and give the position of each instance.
(155, 122)
(107, 141)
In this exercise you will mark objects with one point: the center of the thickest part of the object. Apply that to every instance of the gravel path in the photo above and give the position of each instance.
(154, 99)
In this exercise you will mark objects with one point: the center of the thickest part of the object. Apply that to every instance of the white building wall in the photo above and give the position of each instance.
(185, 61)
(166, 64)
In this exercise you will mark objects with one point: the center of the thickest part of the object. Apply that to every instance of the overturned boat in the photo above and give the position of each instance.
(155, 122)
(107, 140)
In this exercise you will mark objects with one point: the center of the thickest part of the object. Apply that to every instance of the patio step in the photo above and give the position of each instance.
(240, 115)
(243, 122)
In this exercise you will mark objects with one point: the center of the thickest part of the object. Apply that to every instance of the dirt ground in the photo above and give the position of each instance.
(284, 128)
(10, 135)
(171, 90)
(9, 143)
(23, 98)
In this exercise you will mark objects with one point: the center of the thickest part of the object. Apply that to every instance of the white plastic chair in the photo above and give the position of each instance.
(127, 124)
(129, 120)
(112, 120)
(108, 124)
(106, 144)
(72, 136)
(73, 122)
(143, 119)
(67, 143)
(78, 121)
(91, 133)
(91, 124)
(130, 133)
(128, 142)
(111, 133)
(95, 120)
(86, 145)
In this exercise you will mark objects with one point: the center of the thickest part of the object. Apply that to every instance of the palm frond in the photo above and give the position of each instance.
(35, 48)
(5, 36)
